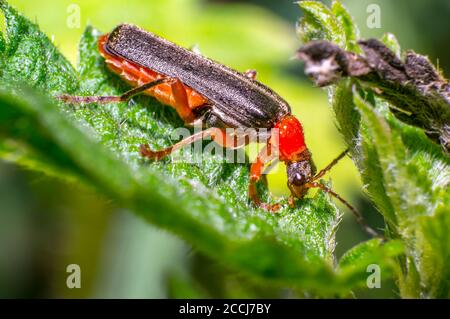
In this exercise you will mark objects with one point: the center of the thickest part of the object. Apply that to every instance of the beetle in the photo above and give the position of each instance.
(204, 91)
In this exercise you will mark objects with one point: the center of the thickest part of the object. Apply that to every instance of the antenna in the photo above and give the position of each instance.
(356, 213)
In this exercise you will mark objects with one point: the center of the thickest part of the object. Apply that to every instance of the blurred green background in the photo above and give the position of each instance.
(46, 224)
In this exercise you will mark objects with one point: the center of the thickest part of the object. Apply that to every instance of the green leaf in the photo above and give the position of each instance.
(363, 152)
(385, 143)
(205, 203)
(404, 173)
(20, 153)
(355, 262)
(319, 22)
(416, 176)
(434, 244)
(30, 57)
(260, 244)
(392, 43)
(349, 27)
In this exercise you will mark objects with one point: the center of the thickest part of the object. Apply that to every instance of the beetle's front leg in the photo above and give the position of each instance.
(251, 74)
(264, 157)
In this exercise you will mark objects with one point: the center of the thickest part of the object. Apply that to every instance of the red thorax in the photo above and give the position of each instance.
(290, 141)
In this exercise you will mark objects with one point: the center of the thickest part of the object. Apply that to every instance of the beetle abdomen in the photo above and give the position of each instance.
(236, 100)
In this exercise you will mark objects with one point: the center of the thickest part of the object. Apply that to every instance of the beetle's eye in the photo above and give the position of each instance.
(299, 172)
(297, 179)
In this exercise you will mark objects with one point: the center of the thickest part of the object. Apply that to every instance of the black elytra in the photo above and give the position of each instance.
(235, 100)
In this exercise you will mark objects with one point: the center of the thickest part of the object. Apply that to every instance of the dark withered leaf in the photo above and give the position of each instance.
(418, 95)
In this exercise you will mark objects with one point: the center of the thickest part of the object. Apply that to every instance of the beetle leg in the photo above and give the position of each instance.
(112, 99)
(181, 100)
(178, 91)
(291, 201)
(251, 74)
(256, 170)
(216, 134)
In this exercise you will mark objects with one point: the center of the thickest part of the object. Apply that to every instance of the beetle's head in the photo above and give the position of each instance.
(292, 150)
(299, 173)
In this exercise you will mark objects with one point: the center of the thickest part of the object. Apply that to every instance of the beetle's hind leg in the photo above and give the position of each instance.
(251, 74)
(178, 92)
(111, 99)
